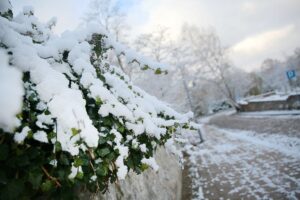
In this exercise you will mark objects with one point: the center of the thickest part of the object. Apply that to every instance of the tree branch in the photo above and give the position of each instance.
(51, 177)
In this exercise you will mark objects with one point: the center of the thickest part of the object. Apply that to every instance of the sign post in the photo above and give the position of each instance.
(291, 75)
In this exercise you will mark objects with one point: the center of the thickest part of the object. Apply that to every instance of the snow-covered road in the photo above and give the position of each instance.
(259, 122)
(235, 164)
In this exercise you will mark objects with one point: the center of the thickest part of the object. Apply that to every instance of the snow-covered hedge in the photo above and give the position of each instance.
(68, 118)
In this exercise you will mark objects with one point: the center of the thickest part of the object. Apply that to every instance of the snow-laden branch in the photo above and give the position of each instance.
(76, 102)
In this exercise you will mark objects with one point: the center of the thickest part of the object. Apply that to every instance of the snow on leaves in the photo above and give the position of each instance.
(78, 116)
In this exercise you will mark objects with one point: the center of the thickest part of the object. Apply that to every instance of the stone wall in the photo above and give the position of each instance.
(293, 102)
(162, 185)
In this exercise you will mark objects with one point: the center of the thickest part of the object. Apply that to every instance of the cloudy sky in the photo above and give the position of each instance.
(253, 29)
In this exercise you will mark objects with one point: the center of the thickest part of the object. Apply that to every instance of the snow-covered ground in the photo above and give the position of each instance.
(271, 96)
(240, 164)
(207, 118)
(272, 113)
(279, 124)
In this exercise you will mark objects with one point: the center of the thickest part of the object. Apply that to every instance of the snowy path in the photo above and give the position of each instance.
(234, 164)
(281, 124)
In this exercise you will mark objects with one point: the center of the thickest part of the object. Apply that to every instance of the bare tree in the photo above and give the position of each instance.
(208, 60)
(156, 44)
(108, 14)
(273, 73)
(162, 49)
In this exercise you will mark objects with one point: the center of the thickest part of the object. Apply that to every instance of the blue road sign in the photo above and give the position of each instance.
(291, 74)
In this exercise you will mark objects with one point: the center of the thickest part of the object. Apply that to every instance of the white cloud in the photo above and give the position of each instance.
(249, 26)
(249, 7)
(169, 13)
(252, 51)
(263, 41)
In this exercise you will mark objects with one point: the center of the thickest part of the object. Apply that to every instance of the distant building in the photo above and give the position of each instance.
(271, 101)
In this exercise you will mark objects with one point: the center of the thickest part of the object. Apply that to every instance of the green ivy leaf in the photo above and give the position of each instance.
(4, 150)
(30, 134)
(185, 126)
(102, 170)
(79, 175)
(47, 186)
(75, 131)
(64, 159)
(144, 166)
(57, 146)
(145, 67)
(85, 161)
(102, 140)
(61, 174)
(103, 152)
(130, 163)
(33, 153)
(22, 160)
(98, 101)
(107, 121)
(32, 97)
(121, 129)
(51, 135)
(19, 116)
(158, 71)
(47, 112)
(78, 162)
(35, 178)
(12, 190)
(111, 156)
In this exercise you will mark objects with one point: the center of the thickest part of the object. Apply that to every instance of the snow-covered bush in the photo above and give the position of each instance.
(68, 118)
